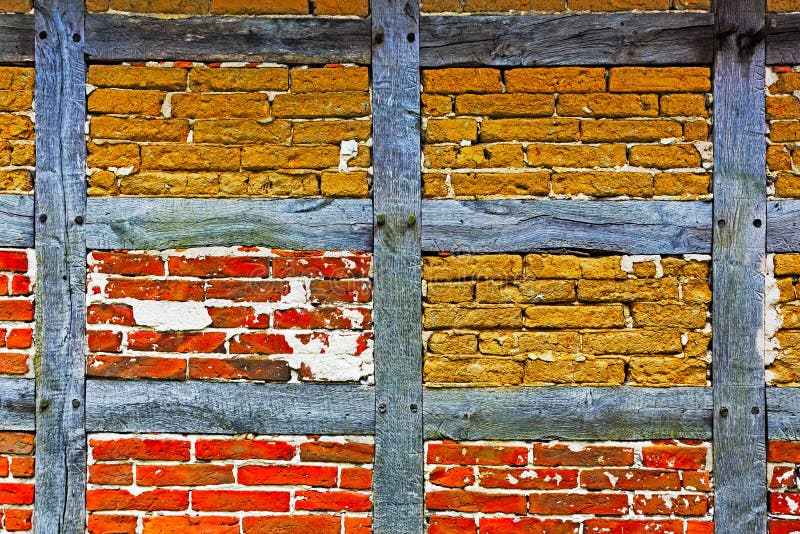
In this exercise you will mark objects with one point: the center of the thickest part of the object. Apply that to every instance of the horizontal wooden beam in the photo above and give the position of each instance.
(305, 40)
(783, 39)
(229, 408)
(16, 38)
(581, 413)
(545, 40)
(783, 416)
(783, 226)
(157, 223)
(16, 221)
(631, 227)
(17, 404)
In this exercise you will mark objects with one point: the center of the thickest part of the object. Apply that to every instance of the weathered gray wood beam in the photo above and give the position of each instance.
(546, 40)
(16, 38)
(60, 206)
(783, 39)
(783, 226)
(740, 213)
(397, 487)
(179, 222)
(305, 40)
(228, 408)
(16, 221)
(783, 415)
(582, 413)
(17, 404)
(632, 227)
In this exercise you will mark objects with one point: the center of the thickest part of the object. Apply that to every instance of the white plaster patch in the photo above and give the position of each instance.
(171, 315)
(347, 151)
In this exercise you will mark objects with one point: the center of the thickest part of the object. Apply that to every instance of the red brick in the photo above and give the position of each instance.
(783, 477)
(3, 284)
(357, 525)
(355, 478)
(18, 519)
(16, 443)
(22, 467)
(126, 264)
(112, 524)
(529, 478)
(331, 291)
(630, 479)
(643, 526)
(111, 474)
(322, 317)
(699, 527)
(139, 449)
(784, 451)
(470, 501)
(675, 457)
(260, 343)
(441, 524)
(239, 368)
(527, 525)
(248, 291)
(236, 317)
(3, 466)
(13, 261)
(15, 493)
(20, 285)
(660, 504)
(104, 340)
(288, 475)
(206, 525)
(236, 500)
(118, 314)
(182, 342)
(219, 266)
(333, 501)
(452, 477)
(784, 526)
(784, 503)
(136, 367)
(184, 475)
(590, 455)
(575, 503)
(328, 451)
(178, 290)
(325, 267)
(291, 524)
(14, 364)
(19, 338)
(243, 449)
(16, 310)
(456, 453)
(697, 480)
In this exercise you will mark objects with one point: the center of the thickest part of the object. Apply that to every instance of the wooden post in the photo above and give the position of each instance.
(60, 204)
(398, 471)
(739, 247)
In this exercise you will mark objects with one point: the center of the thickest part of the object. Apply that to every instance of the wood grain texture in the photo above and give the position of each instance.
(579, 413)
(159, 223)
(783, 40)
(783, 416)
(547, 40)
(17, 404)
(631, 227)
(228, 408)
(16, 38)
(740, 503)
(60, 187)
(783, 226)
(399, 465)
(297, 40)
(16, 221)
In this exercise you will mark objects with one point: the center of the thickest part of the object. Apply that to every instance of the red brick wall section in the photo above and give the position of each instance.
(230, 313)
(569, 488)
(784, 498)
(17, 276)
(161, 484)
(16, 482)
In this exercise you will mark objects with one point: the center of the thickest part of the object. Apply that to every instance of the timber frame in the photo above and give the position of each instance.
(737, 38)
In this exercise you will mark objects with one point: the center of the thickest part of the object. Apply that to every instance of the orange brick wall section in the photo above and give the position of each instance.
(16, 482)
(17, 276)
(16, 129)
(548, 319)
(569, 488)
(192, 130)
(15, 6)
(358, 8)
(778, 6)
(160, 484)
(567, 132)
(783, 116)
(784, 499)
(561, 6)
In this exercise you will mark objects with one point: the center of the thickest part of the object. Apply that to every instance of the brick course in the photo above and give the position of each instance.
(17, 151)
(782, 320)
(783, 117)
(16, 482)
(230, 313)
(778, 6)
(562, 6)
(17, 279)
(192, 130)
(359, 8)
(542, 319)
(782, 476)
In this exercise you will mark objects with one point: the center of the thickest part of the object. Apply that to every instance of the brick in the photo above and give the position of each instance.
(448, 343)
(461, 80)
(138, 129)
(330, 79)
(783, 526)
(243, 449)
(190, 158)
(259, 7)
(570, 504)
(660, 504)
(324, 318)
(355, 478)
(359, 8)
(139, 449)
(320, 105)
(674, 457)
(437, 318)
(697, 480)
(219, 266)
(452, 477)
(345, 184)
(240, 500)
(451, 130)
(627, 290)
(263, 343)
(545, 155)
(237, 316)
(556, 80)
(493, 266)
(442, 292)
(782, 132)
(288, 475)
(206, 106)
(630, 479)
(566, 370)
(528, 479)
(118, 524)
(16, 443)
(334, 501)
(239, 368)
(787, 82)
(13, 364)
(16, 100)
(529, 291)
(103, 340)
(603, 184)
(436, 104)
(635, 526)
(681, 184)
(468, 501)
(784, 451)
(607, 105)
(527, 525)
(319, 524)
(325, 451)
(17, 78)
(472, 157)
(590, 455)
(632, 342)
(184, 7)
(508, 184)
(205, 524)
(619, 5)
(230, 79)
(658, 314)
(683, 105)
(324, 267)
(332, 291)
(282, 184)
(22, 467)
(502, 105)
(779, 503)
(16, 310)
(629, 131)
(661, 371)
(124, 77)
(126, 101)
(126, 264)
(331, 131)
(182, 342)
(252, 291)
(659, 80)
(120, 499)
(528, 342)
(783, 107)
(484, 371)
(551, 130)
(18, 127)
(16, 180)
(665, 156)
(440, 524)
(13, 261)
(601, 316)
(113, 155)
(111, 474)
(19, 338)
(183, 475)
(289, 157)
(116, 314)
(451, 453)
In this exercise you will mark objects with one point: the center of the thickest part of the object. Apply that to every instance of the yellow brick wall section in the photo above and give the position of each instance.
(564, 6)
(193, 130)
(17, 150)
(567, 132)
(783, 117)
(782, 320)
(544, 319)
(16, 6)
(783, 6)
(355, 8)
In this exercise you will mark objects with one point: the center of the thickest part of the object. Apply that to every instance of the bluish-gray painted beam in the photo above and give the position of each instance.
(17, 404)
(16, 38)
(783, 415)
(783, 226)
(783, 39)
(16, 221)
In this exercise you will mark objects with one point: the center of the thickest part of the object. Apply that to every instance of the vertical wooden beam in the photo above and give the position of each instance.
(738, 263)
(60, 205)
(398, 472)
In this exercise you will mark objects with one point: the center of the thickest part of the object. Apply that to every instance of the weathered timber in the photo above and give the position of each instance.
(180, 222)
(783, 226)
(17, 404)
(228, 408)
(306, 40)
(631, 227)
(16, 38)
(739, 245)
(399, 465)
(783, 39)
(783, 417)
(581, 413)
(547, 40)
(16, 221)
(60, 205)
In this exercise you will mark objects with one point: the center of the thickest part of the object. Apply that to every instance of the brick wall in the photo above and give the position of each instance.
(358, 8)
(16, 128)
(187, 130)
(17, 277)
(559, 6)
(567, 132)
(16, 482)
(230, 313)
(782, 320)
(783, 5)
(784, 499)
(548, 319)
(783, 116)
(15, 6)
(159, 484)
(568, 488)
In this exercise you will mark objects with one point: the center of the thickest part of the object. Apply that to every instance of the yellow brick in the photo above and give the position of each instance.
(598, 372)
(507, 343)
(692, 4)
(440, 6)
(5, 153)
(556, 80)
(171, 184)
(239, 79)
(786, 289)
(782, 132)
(681, 183)
(451, 130)
(552, 266)
(315, 105)
(103, 183)
(16, 100)
(362, 159)
(124, 77)
(683, 105)
(259, 7)
(18, 127)
(113, 155)
(209, 106)
(641, 131)
(774, 6)
(679, 267)
(695, 131)
(554, 130)
(332, 131)
(783, 107)
(604, 267)
(696, 290)
(16, 180)
(627, 290)
(453, 81)
(436, 105)
(665, 372)
(232, 131)
(23, 154)
(483, 6)
(605, 316)
(450, 343)
(233, 184)
(434, 185)
(659, 80)
(358, 8)
(791, 316)
(16, 78)
(126, 101)
(138, 129)
(281, 184)
(182, 7)
(489, 266)
(544, 155)
(174, 157)
(697, 345)
(513, 184)
(607, 105)
(632, 342)
(345, 184)
(665, 156)
(327, 79)
(779, 158)
(603, 184)
(787, 185)
(787, 264)
(788, 339)
(650, 314)
(785, 371)
(445, 317)
(484, 371)
(506, 105)
(786, 83)
(645, 269)
(442, 292)
(290, 157)
(474, 157)
(619, 5)
(530, 291)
